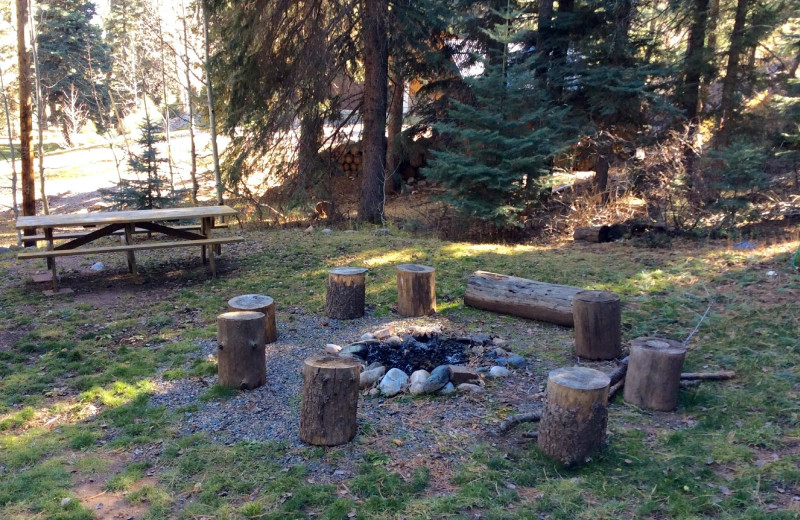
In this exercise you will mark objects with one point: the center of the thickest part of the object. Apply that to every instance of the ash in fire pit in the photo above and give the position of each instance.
(419, 354)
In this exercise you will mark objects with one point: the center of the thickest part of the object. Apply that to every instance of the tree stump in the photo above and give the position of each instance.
(416, 290)
(346, 293)
(597, 318)
(575, 414)
(654, 373)
(241, 355)
(330, 400)
(258, 303)
(592, 234)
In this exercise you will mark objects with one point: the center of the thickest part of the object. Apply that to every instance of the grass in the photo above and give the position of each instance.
(730, 451)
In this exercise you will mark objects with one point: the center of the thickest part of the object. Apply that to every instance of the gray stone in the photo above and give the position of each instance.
(394, 341)
(330, 348)
(393, 382)
(447, 389)
(438, 378)
(65, 501)
(418, 332)
(481, 339)
(499, 342)
(417, 381)
(98, 266)
(367, 336)
(374, 365)
(5, 250)
(517, 362)
(370, 377)
(462, 374)
(470, 388)
(500, 352)
(350, 231)
(499, 372)
(382, 334)
(327, 231)
(501, 361)
(356, 349)
(382, 232)
(482, 370)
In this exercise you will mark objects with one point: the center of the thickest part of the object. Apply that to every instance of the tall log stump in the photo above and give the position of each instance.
(416, 290)
(346, 293)
(575, 414)
(654, 373)
(258, 303)
(241, 355)
(330, 400)
(597, 318)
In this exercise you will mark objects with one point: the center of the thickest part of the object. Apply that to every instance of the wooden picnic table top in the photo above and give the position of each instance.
(123, 217)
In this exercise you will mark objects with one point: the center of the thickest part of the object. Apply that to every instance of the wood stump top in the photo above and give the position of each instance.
(597, 296)
(579, 378)
(348, 271)
(250, 301)
(241, 316)
(414, 268)
(332, 362)
(664, 346)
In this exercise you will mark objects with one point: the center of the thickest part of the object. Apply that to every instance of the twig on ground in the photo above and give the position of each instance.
(708, 376)
(512, 420)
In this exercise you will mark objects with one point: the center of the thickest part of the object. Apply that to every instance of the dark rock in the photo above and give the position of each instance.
(481, 339)
(356, 349)
(438, 379)
(517, 362)
(501, 361)
(463, 374)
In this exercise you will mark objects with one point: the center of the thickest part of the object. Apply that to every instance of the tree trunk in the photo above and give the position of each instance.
(732, 72)
(598, 325)
(212, 120)
(329, 408)
(575, 414)
(311, 134)
(416, 290)
(521, 297)
(395, 126)
(190, 103)
(711, 50)
(345, 298)
(25, 120)
(376, 70)
(40, 117)
(241, 356)
(695, 63)
(11, 149)
(654, 373)
(166, 107)
(258, 303)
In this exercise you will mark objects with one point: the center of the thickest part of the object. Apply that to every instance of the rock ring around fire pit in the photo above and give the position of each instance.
(423, 361)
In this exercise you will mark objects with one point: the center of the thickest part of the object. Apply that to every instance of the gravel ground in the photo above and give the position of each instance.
(436, 428)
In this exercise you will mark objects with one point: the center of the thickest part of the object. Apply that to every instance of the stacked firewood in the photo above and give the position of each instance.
(348, 158)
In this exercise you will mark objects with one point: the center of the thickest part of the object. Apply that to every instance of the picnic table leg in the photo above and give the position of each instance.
(207, 228)
(127, 238)
(205, 232)
(51, 262)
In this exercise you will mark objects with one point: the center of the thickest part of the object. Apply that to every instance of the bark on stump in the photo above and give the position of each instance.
(416, 290)
(597, 317)
(258, 303)
(330, 400)
(654, 373)
(592, 234)
(346, 293)
(521, 297)
(241, 356)
(575, 414)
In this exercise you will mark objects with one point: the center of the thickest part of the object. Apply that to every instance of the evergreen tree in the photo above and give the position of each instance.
(73, 60)
(149, 189)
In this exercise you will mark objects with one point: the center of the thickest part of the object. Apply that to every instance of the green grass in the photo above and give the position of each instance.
(96, 368)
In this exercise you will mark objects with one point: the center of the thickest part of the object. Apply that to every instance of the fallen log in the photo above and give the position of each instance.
(595, 234)
(521, 297)
(613, 389)
(513, 420)
(708, 376)
(618, 374)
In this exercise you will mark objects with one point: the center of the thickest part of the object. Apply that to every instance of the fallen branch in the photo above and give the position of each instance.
(531, 435)
(694, 383)
(615, 388)
(618, 374)
(512, 420)
(708, 376)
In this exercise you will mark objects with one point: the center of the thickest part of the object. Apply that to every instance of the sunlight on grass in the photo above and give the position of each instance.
(118, 393)
(464, 250)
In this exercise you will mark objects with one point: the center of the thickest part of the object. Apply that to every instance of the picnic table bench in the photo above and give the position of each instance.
(126, 224)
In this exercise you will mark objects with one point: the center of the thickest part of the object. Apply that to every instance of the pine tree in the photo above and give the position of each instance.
(149, 189)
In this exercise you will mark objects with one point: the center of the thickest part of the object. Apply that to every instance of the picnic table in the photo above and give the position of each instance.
(126, 224)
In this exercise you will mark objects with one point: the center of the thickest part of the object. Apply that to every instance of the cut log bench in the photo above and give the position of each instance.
(416, 290)
(126, 224)
(258, 303)
(329, 407)
(653, 379)
(521, 297)
(597, 316)
(241, 354)
(346, 295)
(575, 414)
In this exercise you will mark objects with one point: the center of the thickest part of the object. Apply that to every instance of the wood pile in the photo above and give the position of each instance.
(348, 157)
